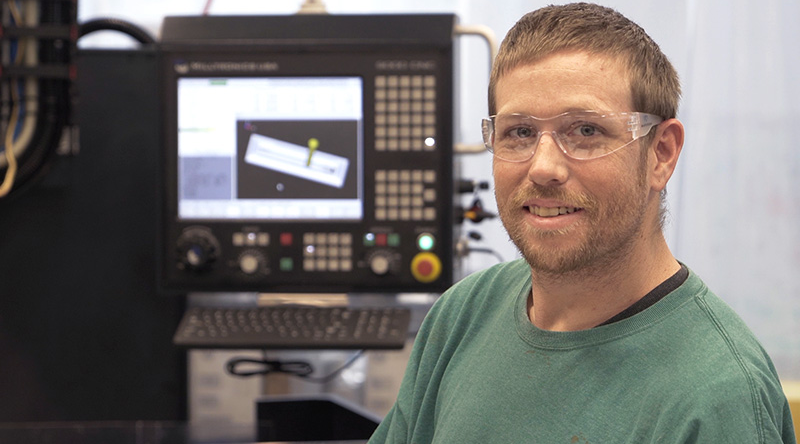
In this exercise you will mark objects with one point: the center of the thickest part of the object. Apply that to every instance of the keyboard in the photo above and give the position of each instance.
(294, 327)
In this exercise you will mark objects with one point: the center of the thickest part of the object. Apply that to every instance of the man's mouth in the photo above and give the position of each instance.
(551, 211)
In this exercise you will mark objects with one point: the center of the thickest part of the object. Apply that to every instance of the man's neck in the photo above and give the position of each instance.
(583, 299)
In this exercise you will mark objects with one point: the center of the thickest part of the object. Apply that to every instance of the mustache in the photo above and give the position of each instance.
(578, 200)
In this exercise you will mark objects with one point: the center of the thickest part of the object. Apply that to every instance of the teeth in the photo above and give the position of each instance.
(551, 211)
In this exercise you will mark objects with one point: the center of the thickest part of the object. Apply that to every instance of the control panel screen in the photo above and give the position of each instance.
(270, 148)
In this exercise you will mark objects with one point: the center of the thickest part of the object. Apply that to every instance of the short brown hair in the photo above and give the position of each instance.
(655, 87)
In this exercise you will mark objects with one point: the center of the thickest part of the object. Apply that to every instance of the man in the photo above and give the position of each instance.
(600, 335)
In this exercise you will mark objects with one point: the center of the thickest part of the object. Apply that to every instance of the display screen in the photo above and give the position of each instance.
(270, 148)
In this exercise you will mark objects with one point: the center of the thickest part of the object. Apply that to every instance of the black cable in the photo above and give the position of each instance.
(112, 24)
(487, 251)
(53, 108)
(477, 236)
(296, 368)
(330, 376)
(300, 369)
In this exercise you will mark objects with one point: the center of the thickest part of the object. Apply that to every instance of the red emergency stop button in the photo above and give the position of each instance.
(426, 267)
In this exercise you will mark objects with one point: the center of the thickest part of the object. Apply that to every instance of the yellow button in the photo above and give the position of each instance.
(426, 267)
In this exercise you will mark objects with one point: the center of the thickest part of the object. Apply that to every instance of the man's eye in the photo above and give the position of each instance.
(584, 130)
(587, 130)
(521, 132)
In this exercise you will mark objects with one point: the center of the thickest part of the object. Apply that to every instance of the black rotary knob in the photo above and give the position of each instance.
(197, 249)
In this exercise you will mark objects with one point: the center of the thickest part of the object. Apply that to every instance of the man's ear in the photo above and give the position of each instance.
(665, 149)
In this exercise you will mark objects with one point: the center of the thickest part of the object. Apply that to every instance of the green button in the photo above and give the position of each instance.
(369, 240)
(287, 264)
(425, 241)
(393, 240)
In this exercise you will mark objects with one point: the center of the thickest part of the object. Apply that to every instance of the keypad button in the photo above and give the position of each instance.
(403, 195)
(327, 252)
(238, 239)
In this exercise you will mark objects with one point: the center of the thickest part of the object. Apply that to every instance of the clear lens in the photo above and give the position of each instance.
(580, 135)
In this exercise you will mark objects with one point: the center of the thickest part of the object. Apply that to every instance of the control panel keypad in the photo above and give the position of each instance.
(405, 195)
(328, 252)
(405, 113)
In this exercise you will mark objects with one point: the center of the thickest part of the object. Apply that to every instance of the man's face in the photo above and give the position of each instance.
(563, 214)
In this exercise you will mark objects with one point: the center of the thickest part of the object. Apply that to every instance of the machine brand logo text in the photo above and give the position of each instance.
(182, 67)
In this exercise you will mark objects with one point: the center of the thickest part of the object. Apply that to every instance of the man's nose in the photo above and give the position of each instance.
(549, 163)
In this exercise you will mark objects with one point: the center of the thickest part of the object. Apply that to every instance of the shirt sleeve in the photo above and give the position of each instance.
(723, 413)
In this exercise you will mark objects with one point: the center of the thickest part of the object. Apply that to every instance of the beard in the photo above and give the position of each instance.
(598, 243)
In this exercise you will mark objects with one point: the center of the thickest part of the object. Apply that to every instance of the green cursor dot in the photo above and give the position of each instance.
(313, 144)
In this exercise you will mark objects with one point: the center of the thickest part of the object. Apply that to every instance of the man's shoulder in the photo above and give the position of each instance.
(482, 290)
(724, 341)
(721, 317)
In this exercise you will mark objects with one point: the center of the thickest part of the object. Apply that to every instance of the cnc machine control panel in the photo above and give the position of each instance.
(307, 153)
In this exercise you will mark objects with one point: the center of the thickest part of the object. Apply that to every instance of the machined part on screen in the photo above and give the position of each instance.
(304, 162)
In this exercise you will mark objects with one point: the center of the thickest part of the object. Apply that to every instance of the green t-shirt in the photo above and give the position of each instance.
(685, 370)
